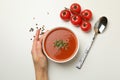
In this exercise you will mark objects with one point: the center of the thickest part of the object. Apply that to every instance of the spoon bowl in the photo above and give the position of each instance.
(100, 25)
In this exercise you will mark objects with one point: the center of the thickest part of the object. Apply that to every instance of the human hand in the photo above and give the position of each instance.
(39, 59)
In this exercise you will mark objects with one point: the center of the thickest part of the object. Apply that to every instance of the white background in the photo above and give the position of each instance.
(16, 18)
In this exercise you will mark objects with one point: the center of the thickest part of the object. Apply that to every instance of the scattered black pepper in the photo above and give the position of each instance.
(47, 13)
(43, 25)
(41, 33)
(36, 27)
(31, 30)
(42, 28)
(33, 18)
(36, 24)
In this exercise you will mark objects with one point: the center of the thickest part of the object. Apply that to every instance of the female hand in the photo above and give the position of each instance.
(39, 59)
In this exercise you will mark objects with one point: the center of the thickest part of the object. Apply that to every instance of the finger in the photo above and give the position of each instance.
(37, 35)
(40, 45)
(36, 38)
(40, 41)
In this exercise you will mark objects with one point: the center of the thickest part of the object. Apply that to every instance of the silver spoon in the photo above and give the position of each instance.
(99, 27)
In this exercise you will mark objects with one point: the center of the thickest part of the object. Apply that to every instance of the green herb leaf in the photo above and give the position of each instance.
(61, 44)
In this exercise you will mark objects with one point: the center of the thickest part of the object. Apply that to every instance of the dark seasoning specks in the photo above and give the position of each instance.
(36, 27)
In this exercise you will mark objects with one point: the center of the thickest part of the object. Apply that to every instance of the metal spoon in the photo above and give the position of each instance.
(99, 27)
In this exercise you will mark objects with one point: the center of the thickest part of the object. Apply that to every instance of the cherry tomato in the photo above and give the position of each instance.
(65, 14)
(86, 14)
(76, 20)
(85, 26)
(75, 8)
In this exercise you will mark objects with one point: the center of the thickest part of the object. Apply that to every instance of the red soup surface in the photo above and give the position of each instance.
(60, 44)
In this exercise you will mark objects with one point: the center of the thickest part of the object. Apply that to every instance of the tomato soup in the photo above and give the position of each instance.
(60, 44)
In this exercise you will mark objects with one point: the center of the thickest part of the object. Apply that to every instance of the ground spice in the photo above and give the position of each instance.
(42, 29)
(47, 13)
(41, 33)
(33, 18)
(36, 24)
(31, 30)
(36, 27)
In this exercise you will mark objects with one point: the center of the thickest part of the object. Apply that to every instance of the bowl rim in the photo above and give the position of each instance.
(68, 59)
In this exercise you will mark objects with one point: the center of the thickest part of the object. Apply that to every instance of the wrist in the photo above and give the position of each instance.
(41, 74)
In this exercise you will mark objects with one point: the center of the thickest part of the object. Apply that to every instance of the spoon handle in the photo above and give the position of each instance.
(85, 53)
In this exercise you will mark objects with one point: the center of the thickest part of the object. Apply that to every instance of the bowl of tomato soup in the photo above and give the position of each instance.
(60, 44)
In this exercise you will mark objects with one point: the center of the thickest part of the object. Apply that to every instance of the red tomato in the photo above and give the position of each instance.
(86, 14)
(76, 20)
(75, 8)
(65, 14)
(86, 26)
